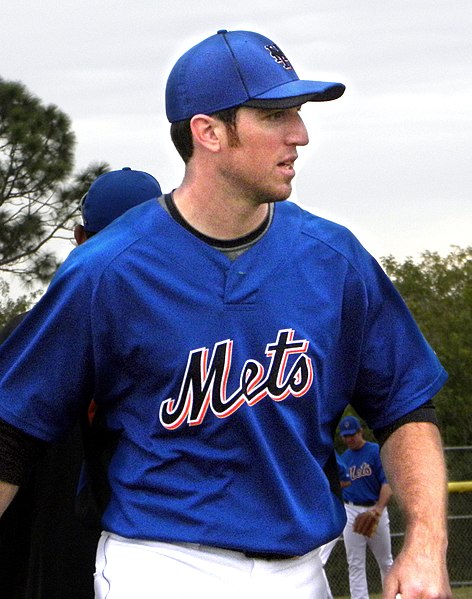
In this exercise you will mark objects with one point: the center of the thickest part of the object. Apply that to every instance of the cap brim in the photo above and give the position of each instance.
(350, 432)
(295, 93)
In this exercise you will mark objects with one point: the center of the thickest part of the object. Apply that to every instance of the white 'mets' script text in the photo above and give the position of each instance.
(205, 381)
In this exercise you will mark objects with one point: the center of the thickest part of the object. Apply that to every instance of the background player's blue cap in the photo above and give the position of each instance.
(349, 425)
(113, 193)
(233, 68)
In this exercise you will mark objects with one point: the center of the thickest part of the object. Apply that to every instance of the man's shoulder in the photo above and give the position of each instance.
(334, 236)
(313, 223)
(372, 448)
(138, 225)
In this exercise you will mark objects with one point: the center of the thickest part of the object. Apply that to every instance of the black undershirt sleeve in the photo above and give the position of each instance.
(19, 452)
(425, 413)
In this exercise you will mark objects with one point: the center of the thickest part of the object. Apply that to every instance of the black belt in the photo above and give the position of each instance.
(366, 504)
(268, 556)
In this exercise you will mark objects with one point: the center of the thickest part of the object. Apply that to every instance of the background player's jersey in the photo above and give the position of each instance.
(223, 380)
(365, 473)
(343, 474)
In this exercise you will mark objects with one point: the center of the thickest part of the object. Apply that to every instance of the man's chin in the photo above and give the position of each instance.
(284, 194)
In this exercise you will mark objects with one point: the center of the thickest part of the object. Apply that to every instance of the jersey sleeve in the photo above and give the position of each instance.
(379, 471)
(53, 344)
(342, 470)
(398, 370)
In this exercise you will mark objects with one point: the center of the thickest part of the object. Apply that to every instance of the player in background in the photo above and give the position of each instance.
(45, 551)
(365, 498)
(222, 332)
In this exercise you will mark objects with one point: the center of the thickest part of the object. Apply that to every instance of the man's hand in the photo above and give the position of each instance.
(7, 492)
(415, 576)
(366, 523)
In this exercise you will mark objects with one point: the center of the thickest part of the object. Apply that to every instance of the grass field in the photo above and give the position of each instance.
(459, 593)
(462, 593)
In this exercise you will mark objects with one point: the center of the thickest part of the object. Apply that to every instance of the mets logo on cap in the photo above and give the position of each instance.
(278, 56)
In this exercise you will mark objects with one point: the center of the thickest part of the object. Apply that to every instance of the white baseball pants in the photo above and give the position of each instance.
(379, 544)
(325, 552)
(127, 569)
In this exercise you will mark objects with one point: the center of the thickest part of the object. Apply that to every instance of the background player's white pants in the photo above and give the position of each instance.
(380, 545)
(128, 569)
(325, 552)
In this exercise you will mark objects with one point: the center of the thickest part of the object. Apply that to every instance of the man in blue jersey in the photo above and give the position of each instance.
(366, 498)
(43, 544)
(222, 332)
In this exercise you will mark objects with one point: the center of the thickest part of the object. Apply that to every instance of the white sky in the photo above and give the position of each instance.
(392, 159)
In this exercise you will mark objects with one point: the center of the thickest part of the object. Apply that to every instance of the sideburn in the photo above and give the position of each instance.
(233, 137)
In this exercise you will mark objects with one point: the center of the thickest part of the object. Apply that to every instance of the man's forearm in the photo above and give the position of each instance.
(7, 492)
(414, 464)
(384, 497)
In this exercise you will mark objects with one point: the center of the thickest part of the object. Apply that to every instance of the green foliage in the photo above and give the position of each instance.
(10, 307)
(438, 291)
(39, 195)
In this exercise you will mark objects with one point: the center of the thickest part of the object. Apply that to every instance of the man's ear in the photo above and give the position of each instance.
(80, 234)
(207, 132)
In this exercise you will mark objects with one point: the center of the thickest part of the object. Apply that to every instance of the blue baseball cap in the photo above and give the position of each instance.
(234, 68)
(349, 425)
(113, 193)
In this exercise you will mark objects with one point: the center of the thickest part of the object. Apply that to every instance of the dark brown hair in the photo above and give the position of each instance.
(181, 133)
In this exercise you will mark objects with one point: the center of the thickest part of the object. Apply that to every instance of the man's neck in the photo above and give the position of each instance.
(217, 215)
(360, 445)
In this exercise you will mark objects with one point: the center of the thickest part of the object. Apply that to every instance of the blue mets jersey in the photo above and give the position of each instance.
(365, 473)
(223, 380)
